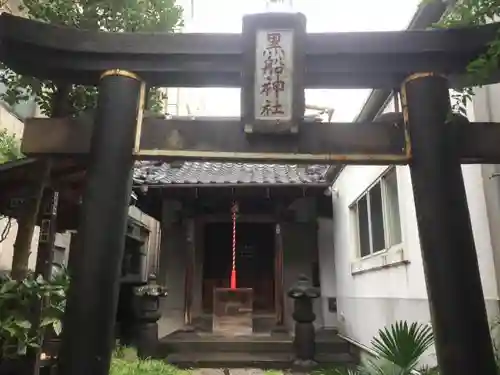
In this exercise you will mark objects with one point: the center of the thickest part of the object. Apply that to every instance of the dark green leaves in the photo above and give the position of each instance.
(398, 349)
(102, 15)
(403, 344)
(16, 299)
(473, 13)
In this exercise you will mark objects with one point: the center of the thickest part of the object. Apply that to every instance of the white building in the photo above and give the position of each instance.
(378, 272)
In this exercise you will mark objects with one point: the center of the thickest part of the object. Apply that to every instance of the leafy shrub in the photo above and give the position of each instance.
(16, 302)
(9, 147)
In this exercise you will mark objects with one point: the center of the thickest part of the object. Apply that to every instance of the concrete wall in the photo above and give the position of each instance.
(7, 246)
(11, 6)
(379, 289)
(327, 272)
(10, 122)
(484, 108)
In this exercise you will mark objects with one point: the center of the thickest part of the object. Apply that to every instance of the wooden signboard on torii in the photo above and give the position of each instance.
(273, 61)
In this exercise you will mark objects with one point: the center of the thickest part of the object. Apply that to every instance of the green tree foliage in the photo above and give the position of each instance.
(474, 13)
(100, 15)
(9, 147)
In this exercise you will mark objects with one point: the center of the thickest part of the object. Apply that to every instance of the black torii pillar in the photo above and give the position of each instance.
(88, 334)
(462, 337)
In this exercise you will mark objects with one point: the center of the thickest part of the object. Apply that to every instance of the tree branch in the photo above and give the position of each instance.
(6, 229)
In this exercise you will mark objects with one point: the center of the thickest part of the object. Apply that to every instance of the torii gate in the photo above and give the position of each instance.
(422, 64)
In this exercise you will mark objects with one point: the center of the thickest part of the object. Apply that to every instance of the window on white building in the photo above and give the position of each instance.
(376, 216)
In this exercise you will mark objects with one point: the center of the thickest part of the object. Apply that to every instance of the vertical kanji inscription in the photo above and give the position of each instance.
(274, 75)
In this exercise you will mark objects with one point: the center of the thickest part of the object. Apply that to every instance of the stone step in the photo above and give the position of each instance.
(270, 360)
(168, 346)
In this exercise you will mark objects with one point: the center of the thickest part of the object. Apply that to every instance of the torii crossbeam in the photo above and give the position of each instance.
(273, 61)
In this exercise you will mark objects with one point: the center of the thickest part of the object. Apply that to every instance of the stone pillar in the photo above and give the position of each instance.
(278, 269)
(463, 344)
(172, 271)
(198, 268)
(73, 252)
(189, 274)
(88, 335)
(279, 289)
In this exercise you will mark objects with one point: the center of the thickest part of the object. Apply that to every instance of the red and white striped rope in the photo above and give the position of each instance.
(234, 209)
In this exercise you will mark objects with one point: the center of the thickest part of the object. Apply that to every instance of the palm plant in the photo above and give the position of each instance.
(495, 338)
(398, 349)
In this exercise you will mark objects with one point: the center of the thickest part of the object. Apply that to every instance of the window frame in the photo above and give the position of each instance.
(386, 216)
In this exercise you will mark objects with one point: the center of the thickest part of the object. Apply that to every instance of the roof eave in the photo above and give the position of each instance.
(324, 184)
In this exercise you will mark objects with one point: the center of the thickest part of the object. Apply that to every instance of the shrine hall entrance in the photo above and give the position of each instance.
(255, 253)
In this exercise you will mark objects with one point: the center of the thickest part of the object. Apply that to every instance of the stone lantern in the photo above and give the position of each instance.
(147, 312)
(303, 293)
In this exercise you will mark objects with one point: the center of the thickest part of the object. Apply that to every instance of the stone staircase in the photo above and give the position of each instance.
(205, 350)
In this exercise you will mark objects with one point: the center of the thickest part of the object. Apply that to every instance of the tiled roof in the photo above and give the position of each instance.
(226, 173)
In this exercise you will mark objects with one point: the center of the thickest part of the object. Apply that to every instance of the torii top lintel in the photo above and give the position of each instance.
(332, 60)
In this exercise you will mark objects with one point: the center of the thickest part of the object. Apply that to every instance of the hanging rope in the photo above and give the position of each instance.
(234, 211)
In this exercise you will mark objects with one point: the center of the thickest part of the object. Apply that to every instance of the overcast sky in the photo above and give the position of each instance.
(322, 16)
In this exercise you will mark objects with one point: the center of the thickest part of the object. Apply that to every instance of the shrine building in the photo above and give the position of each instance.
(282, 225)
